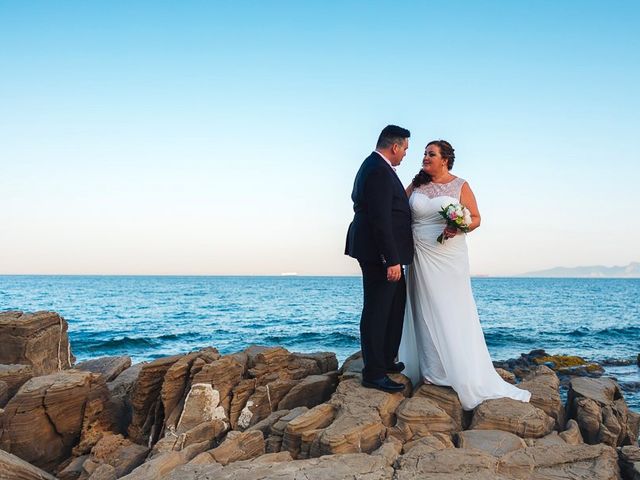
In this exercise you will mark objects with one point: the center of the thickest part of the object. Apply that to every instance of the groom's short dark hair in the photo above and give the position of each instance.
(392, 134)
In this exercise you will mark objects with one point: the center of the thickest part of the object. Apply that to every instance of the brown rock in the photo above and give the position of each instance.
(72, 469)
(265, 425)
(572, 434)
(506, 375)
(544, 386)
(597, 462)
(264, 401)
(277, 363)
(353, 364)
(272, 467)
(14, 376)
(104, 472)
(4, 393)
(121, 390)
(201, 405)
(519, 418)
(326, 361)
(447, 464)
(629, 459)
(177, 382)
(312, 391)
(158, 467)
(602, 414)
(38, 339)
(147, 412)
(241, 393)
(243, 446)
(204, 434)
(109, 367)
(223, 375)
(48, 415)
(310, 423)
(117, 452)
(14, 468)
(430, 443)
(420, 417)
(447, 399)
(493, 442)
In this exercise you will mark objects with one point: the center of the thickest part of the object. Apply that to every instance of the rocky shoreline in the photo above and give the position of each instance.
(267, 413)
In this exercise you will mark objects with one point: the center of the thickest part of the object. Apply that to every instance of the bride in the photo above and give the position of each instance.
(442, 340)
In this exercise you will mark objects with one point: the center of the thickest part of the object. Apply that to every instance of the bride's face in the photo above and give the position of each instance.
(432, 161)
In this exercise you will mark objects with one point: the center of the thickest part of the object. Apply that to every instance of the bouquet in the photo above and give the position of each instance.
(457, 216)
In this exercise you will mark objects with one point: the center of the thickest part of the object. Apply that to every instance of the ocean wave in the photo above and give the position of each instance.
(605, 332)
(330, 338)
(126, 342)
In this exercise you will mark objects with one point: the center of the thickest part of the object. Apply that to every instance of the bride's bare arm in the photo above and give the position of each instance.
(409, 190)
(468, 199)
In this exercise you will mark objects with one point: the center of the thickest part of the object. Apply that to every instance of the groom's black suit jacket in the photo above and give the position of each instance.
(381, 227)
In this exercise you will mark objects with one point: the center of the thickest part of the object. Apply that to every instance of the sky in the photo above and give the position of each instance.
(222, 138)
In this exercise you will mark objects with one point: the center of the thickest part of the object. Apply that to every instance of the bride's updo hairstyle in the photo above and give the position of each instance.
(446, 151)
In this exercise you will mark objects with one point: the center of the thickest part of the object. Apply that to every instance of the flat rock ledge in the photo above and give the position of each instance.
(267, 413)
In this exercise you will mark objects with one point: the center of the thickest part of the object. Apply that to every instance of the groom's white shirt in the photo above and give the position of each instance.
(386, 160)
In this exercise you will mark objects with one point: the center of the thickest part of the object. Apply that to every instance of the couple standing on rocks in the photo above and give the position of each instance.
(436, 334)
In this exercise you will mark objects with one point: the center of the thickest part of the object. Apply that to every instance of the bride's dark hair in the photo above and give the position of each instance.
(446, 151)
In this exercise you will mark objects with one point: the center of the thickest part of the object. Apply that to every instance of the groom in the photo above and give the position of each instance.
(380, 239)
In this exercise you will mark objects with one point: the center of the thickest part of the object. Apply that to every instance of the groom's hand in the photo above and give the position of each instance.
(394, 273)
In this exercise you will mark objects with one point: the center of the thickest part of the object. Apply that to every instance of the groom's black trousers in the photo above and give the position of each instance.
(381, 321)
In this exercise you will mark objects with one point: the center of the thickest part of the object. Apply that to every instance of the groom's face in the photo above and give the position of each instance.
(399, 151)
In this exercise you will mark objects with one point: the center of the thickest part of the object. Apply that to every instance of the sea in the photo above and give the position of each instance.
(147, 317)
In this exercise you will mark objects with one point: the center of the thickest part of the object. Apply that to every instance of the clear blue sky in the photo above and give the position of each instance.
(222, 137)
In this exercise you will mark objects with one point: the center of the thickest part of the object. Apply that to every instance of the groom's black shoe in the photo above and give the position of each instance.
(385, 384)
(396, 368)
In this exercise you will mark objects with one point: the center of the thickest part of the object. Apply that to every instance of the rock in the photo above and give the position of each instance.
(121, 390)
(265, 425)
(203, 434)
(544, 386)
(109, 367)
(420, 417)
(104, 472)
(117, 452)
(493, 442)
(38, 339)
(447, 464)
(552, 439)
(14, 376)
(146, 403)
(597, 462)
(447, 399)
(49, 414)
(572, 434)
(72, 468)
(277, 363)
(243, 446)
(240, 395)
(312, 391)
(506, 375)
(14, 468)
(602, 414)
(4, 393)
(264, 401)
(223, 375)
(629, 459)
(310, 423)
(177, 382)
(326, 361)
(201, 405)
(361, 421)
(430, 443)
(274, 467)
(274, 441)
(353, 364)
(519, 418)
(158, 467)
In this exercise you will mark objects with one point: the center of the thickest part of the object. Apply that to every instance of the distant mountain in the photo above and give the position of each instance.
(597, 271)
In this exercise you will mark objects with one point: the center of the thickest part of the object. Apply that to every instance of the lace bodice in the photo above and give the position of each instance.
(450, 189)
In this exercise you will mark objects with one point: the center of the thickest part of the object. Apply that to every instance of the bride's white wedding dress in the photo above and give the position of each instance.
(442, 340)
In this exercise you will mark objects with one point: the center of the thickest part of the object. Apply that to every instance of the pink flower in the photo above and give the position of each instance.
(453, 215)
